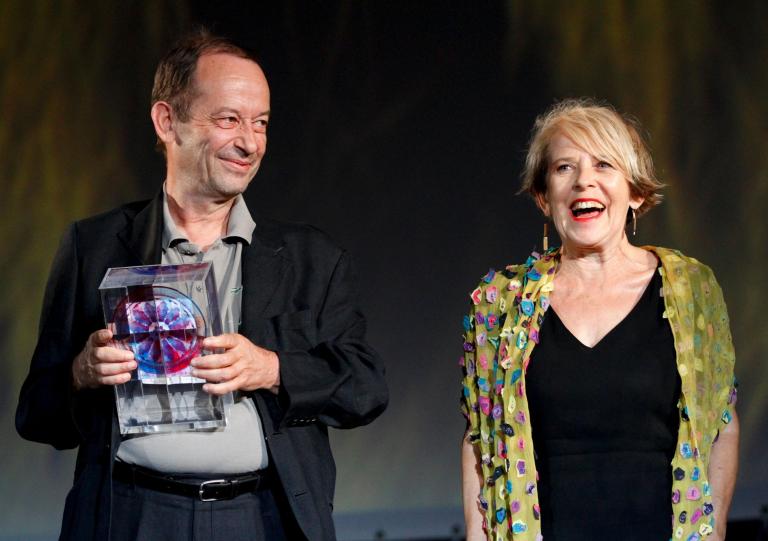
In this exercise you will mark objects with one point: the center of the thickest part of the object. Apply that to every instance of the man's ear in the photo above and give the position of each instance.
(162, 118)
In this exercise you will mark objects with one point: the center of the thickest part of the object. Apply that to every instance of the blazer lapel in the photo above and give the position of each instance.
(263, 269)
(143, 236)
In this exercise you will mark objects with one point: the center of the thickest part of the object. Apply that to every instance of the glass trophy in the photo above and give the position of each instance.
(162, 313)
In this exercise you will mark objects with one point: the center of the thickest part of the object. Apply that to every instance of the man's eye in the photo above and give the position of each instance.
(227, 122)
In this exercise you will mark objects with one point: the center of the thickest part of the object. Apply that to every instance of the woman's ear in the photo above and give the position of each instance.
(542, 203)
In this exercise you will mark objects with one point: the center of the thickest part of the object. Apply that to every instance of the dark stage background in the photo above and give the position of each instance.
(399, 129)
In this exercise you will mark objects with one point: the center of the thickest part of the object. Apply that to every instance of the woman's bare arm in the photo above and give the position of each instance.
(471, 480)
(723, 465)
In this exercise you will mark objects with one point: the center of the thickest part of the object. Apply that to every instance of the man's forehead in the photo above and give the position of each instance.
(231, 80)
(215, 67)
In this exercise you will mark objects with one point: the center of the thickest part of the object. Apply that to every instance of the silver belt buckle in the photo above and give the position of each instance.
(214, 482)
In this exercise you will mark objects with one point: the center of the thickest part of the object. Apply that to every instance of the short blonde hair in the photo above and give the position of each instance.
(601, 131)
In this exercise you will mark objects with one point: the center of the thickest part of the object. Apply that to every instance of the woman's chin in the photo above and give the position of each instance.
(591, 243)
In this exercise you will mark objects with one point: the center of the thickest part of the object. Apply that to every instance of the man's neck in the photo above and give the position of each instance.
(202, 220)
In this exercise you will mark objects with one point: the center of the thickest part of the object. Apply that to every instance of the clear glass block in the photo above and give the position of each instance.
(162, 313)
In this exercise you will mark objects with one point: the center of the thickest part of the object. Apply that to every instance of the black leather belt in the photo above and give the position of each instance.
(206, 491)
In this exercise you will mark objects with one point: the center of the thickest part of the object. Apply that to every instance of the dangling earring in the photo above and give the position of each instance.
(545, 239)
(634, 222)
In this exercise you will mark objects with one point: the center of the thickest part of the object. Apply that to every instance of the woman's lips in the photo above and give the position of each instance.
(583, 210)
(586, 216)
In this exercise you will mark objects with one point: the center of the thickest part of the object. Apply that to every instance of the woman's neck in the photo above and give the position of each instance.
(590, 265)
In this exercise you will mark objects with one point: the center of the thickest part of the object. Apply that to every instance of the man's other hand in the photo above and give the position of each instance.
(242, 365)
(101, 364)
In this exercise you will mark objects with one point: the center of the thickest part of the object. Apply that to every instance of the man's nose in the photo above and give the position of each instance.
(248, 139)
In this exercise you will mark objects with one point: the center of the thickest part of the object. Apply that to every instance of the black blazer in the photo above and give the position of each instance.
(297, 301)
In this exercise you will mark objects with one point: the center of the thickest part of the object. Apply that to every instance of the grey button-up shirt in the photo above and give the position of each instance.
(225, 254)
(240, 446)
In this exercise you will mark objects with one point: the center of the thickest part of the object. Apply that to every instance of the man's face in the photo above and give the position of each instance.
(218, 150)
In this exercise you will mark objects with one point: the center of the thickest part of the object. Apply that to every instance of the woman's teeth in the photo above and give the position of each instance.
(585, 207)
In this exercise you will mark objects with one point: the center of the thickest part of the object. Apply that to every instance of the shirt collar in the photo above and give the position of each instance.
(240, 225)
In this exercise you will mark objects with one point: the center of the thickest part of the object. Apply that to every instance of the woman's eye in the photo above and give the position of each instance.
(562, 168)
(604, 165)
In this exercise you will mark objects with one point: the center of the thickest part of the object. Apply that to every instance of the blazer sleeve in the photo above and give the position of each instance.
(340, 381)
(45, 412)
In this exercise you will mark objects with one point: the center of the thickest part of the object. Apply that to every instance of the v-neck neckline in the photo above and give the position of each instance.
(615, 328)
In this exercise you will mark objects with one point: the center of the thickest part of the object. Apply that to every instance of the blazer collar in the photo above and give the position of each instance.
(143, 235)
(263, 265)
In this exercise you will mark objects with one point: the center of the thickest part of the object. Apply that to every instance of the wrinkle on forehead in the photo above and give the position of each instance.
(233, 82)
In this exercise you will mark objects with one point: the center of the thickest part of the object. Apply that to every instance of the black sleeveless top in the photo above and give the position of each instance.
(605, 422)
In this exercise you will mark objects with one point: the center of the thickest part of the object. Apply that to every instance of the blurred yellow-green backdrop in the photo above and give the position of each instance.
(399, 128)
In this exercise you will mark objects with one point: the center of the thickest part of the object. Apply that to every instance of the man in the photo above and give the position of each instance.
(296, 356)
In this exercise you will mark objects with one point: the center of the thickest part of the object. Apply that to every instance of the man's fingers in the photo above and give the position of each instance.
(115, 380)
(222, 388)
(215, 374)
(112, 369)
(225, 341)
(108, 354)
(215, 360)
(100, 337)
(101, 363)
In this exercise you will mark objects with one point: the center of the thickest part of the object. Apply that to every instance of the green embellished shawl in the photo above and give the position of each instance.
(502, 329)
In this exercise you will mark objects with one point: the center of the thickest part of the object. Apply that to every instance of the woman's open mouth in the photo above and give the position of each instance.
(586, 209)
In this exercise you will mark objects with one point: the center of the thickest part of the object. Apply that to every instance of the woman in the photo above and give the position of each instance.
(597, 408)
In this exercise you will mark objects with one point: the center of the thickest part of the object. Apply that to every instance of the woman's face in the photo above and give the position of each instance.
(587, 197)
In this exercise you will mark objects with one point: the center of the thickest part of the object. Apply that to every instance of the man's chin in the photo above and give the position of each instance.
(230, 187)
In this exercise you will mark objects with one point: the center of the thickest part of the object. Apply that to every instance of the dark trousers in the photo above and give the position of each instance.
(142, 514)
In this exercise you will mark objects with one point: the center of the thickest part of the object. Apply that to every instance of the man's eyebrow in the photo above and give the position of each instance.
(225, 110)
(237, 112)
